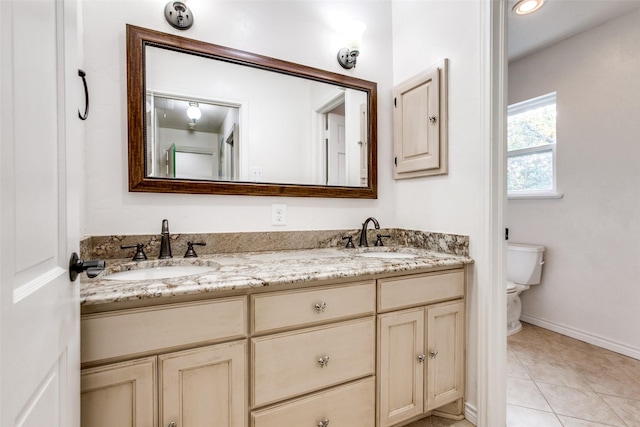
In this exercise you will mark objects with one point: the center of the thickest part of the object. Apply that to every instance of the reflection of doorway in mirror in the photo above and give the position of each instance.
(336, 160)
(184, 144)
(342, 139)
(229, 156)
(364, 145)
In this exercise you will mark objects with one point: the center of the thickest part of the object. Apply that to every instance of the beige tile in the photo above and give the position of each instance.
(518, 416)
(525, 393)
(425, 422)
(514, 366)
(445, 422)
(581, 404)
(558, 373)
(574, 422)
(627, 409)
(611, 380)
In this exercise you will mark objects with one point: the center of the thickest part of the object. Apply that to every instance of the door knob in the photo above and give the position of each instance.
(76, 266)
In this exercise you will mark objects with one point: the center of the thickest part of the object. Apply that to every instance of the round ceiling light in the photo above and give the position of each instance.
(524, 7)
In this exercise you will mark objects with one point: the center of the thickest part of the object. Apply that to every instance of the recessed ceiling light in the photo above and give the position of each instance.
(527, 6)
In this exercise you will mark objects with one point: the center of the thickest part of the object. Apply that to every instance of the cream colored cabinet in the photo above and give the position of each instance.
(400, 375)
(420, 350)
(347, 405)
(307, 356)
(121, 394)
(445, 354)
(420, 124)
(201, 387)
(204, 387)
(319, 367)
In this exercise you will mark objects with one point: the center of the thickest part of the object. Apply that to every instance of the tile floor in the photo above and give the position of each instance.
(434, 421)
(556, 381)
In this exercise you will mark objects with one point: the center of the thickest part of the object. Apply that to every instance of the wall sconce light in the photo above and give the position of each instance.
(194, 113)
(347, 56)
(178, 15)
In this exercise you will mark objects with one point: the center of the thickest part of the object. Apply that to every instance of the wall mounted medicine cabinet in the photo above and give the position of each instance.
(420, 124)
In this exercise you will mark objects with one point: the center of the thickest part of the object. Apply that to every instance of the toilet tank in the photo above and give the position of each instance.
(524, 263)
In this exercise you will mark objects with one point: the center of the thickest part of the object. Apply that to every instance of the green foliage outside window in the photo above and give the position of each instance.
(531, 170)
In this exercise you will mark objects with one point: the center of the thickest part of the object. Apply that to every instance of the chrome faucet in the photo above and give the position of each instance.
(165, 243)
(363, 232)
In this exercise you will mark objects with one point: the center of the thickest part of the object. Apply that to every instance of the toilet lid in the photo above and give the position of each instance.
(511, 287)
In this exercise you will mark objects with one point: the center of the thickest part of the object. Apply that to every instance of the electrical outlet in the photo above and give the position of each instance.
(278, 214)
(257, 174)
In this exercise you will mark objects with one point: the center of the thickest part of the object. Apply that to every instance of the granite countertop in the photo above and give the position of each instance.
(246, 270)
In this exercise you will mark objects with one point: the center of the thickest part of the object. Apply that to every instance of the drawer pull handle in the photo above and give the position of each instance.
(323, 361)
(323, 423)
(321, 307)
(433, 353)
(422, 357)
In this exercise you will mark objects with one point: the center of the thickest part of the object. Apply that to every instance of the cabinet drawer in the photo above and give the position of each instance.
(311, 306)
(348, 405)
(111, 335)
(419, 289)
(288, 364)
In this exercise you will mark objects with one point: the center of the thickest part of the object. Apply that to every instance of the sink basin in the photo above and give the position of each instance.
(387, 255)
(165, 272)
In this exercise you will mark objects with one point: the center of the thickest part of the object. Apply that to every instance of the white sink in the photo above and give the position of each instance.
(165, 272)
(387, 255)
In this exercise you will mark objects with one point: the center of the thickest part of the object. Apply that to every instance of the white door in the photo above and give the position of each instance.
(336, 148)
(39, 212)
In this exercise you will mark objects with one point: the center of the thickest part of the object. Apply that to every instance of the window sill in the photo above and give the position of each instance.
(535, 195)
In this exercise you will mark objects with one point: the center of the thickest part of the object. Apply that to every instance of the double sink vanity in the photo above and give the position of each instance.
(265, 329)
(319, 336)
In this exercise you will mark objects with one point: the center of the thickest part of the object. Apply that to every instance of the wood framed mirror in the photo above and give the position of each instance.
(208, 119)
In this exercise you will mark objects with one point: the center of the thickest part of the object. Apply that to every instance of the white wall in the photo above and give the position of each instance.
(591, 279)
(307, 32)
(424, 33)
(304, 32)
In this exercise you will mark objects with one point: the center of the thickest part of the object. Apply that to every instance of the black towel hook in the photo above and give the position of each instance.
(86, 96)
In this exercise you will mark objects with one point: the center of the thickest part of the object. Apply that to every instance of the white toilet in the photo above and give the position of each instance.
(524, 267)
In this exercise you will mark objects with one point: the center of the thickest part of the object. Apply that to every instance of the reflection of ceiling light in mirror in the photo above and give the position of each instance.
(193, 111)
(524, 7)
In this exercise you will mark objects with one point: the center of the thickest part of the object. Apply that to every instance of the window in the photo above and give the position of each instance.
(531, 147)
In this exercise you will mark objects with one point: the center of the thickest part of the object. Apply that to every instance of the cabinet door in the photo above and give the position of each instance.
(122, 394)
(445, 354)
(400, 366)
(419, 124)
(204, 387)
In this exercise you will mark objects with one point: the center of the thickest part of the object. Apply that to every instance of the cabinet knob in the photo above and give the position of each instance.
(321, 307)
(432, 119)
(421, 357)
(323, 423)
(172, 424)
(433, 353)
(323, 361)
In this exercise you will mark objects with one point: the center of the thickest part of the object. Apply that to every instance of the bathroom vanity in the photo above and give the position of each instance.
(312, 337)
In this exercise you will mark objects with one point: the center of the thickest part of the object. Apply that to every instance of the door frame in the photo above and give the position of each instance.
(490, 255)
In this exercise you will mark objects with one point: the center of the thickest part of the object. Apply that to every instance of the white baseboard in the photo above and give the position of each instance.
(584, 336)
(470, 413)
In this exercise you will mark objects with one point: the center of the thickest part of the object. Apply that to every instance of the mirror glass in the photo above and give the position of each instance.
(217, 120)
